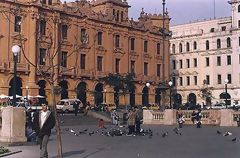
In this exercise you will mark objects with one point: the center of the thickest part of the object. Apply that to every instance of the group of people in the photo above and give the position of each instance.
(195, 116)
(134, 121)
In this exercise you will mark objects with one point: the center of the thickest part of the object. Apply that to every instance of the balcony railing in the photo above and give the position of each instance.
(43, 69)
(21, 67)
(67, 71)
(84, 72)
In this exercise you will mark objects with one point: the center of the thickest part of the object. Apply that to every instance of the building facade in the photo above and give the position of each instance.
(205, 60)
(74, 45)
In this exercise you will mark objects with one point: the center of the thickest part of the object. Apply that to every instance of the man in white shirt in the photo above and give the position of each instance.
(43, 122)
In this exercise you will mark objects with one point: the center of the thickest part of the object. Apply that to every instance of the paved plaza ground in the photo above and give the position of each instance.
(192, 143)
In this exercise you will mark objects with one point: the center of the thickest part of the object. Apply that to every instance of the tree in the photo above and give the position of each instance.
(206, 94)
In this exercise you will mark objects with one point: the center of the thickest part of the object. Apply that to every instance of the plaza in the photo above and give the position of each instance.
(192, 143)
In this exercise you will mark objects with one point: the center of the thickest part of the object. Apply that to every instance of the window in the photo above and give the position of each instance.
(188, 80)
(117, 65)
(188, 63)
(195, 80)
(212, 30)
(114, 14)
(207, 61)
(180, 81)
(194, 45)
(145, 46)
(229, 62)
(229, 77)
(238, 41)
(228, 42)
(187, 47)
(174, 81)
(239, 58)
(223, 28)
(64, 32)
(64, 59)
(195, 62)
(158, 70)
(238, 23)
(180, 48)
(207, 79)
(83, 61)
(132, 66)
(173, 49)
(42, 27)
(117, 41)
(99, 63)
(181, 64)
(207, 45)
(218, 60)
(117, 19)
(99, 38)
(49, 2)
(44, 2)
(121, 16)
(239, 8)
(42, 56)
(83, 35)
(219, 79)
(174, 64)
(218, 43)
(158, 48)
(145, 69)
(17, 24)
(132, 43)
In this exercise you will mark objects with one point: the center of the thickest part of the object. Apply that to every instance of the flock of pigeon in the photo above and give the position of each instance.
(122, 131)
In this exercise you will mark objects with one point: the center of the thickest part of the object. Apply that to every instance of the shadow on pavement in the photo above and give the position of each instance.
(71, 153)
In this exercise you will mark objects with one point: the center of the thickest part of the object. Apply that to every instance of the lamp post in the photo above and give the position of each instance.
(15, 49)
(147, 85)
(105, 95)
(226, 82)
(170, 83)
(27, 95)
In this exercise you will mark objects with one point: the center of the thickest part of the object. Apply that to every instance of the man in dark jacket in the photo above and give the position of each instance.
(43, 122)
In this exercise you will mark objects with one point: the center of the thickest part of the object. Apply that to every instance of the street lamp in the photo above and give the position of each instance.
(147, 94)
(15, 49)
(170, 83)
(27, 95)
(226, 82)
(105, 95)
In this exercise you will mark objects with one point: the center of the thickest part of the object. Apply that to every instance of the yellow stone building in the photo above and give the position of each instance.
(82, 42)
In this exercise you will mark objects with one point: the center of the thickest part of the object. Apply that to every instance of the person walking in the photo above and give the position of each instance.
(181, 120)
(198, 118)
(75, 106)
(43, 122)
(131, 122)
(193, 116)
(138, 122)
(86, 109)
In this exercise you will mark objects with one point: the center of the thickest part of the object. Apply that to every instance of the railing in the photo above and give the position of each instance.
(70, 71)
(43, 69)
(84, 72)
(158, 115)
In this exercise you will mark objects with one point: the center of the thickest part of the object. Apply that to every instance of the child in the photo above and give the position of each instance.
(180, 120)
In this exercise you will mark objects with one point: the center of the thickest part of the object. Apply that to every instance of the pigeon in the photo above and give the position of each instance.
(72, 131)
(164, 134)
(227, 134)
(91, 133)
(85, 130)
(218, 132)
(234, 139)
(76, 134)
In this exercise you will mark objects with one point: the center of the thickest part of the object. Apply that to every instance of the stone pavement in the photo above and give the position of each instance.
(192, 143)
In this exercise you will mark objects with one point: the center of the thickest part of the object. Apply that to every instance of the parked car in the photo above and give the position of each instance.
(66, 105)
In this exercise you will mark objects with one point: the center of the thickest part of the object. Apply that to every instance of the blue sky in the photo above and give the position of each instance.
(181, 11)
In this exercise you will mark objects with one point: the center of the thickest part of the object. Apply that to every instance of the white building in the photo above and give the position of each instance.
(203, 55)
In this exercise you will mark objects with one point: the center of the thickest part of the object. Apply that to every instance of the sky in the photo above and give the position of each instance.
(181, 11)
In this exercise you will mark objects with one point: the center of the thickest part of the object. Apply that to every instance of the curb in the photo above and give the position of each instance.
(10, 153)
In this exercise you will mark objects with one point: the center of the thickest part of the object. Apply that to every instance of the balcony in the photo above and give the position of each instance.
(100, 74)
(43, 69)
(67, 71)
(84, 73)
(21, 67)
(3, 66)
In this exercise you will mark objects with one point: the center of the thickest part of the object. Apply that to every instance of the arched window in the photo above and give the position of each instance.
(218, 43)
(228, 42)
(207, 45)
(180, 48)
(239, 8)
(173, 48)
(194, 45)
(187, 47)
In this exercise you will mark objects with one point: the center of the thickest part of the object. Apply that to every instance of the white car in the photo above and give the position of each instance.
(66, 105)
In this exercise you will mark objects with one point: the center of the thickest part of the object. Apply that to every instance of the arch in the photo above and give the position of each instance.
(226, 96)
(145, 99)
(194, 45)
(192, 99)
(177, 101)
(158, 96)
(173, 48)
(218, 43)
(18, 86)
(180, 48)
(187, 47)
(207, 45)
(81, 92)
(98, 95)
(42, 91)
(64, 89)
(228, 42)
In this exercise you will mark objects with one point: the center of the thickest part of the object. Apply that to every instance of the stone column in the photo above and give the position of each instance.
(13, 125)
(226, 117)
(170, 117)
